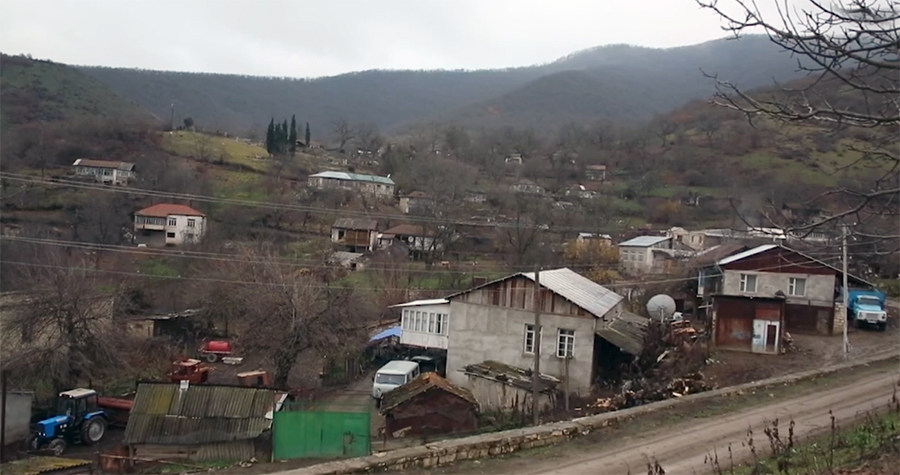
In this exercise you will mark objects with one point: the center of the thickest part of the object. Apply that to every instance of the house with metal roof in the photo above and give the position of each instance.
(200, 422)
(354, 234)
(104, 171)
(372, 185)
(495, 322)
(636, 256)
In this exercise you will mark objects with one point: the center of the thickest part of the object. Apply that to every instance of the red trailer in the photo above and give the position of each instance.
(117, 409)
(214, 350)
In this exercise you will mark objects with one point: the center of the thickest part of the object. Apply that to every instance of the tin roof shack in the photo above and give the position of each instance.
(502, 387)
(429, 405)
(201, 422)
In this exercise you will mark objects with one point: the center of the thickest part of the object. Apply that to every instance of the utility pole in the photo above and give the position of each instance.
(846, 292)
(536, 372)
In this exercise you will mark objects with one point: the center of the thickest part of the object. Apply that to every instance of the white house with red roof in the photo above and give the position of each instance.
(168, 224)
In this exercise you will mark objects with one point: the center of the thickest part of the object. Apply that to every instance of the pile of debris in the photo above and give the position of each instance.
(643, 391)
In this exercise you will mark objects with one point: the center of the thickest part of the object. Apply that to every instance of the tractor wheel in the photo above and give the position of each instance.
(57, 446)
(34, 443)
(93, 430)
(212, 357)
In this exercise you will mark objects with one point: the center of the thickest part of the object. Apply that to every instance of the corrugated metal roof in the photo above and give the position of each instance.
(626, 332)
(420, 385)
(166, 414)
(510, 375)
(416, 303)
(579, 290)
(748, 253)
(356, 223)
(42, 464)
(354, 177)
(86, 162)
(644, 241)
(163, 210)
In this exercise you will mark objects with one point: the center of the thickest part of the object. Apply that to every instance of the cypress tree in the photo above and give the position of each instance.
(308, 136)
(270, 137)
(284, 136)
(292, 138)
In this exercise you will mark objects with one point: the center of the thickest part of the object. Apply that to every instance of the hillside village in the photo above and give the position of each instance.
(197, 291)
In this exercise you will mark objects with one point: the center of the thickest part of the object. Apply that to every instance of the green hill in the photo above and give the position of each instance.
(43, 91)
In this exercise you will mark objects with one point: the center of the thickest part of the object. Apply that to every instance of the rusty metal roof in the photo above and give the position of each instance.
(165, 413)
(626, 332)
(421, 385)
(579, 290)
(356, 223)
(40, 464)
(510, 375)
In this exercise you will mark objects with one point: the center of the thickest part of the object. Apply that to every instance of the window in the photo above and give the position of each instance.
(565, 343)
(404, 320)
(173, 222)
(107, 172)
(748, 283)
(418, 322)
(340, 234)
(170, 235)
(529, 339)
(797, 287)
(431, 323)
(190, 223)
(440, 326)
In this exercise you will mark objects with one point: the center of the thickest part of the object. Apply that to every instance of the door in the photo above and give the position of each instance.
(758, 344)
(772, 337)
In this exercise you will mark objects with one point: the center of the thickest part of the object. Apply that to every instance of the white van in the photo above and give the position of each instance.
(392, 375)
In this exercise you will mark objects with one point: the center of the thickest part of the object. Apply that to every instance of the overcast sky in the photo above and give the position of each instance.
(310, 38)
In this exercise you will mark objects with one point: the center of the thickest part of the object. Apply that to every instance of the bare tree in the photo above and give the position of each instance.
(368, 137)
(850, 50)
(342, 132)
(60, 329)
(288, 310)
(202, 145)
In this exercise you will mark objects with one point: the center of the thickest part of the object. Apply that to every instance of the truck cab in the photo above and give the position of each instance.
(867, 308)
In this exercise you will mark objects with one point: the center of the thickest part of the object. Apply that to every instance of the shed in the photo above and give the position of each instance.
(429, 405)
(201, 422)
(505, 387)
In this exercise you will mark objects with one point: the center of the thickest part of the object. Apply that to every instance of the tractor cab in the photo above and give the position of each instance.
(78, 420)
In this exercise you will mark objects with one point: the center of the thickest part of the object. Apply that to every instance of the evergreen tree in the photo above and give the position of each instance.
(279, 138)
(270, 137)
(292, 138)
(284, 136)
(308, 136)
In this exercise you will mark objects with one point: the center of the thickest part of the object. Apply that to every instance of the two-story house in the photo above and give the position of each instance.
(417, 203)
(636, 255)
(355, 234)
(755, 295)
(168, 224)
(104, 171)
(371, 185)
(493, 326)
(595, 172)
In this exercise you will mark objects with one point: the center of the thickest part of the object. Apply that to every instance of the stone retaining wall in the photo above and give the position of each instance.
(450, 451)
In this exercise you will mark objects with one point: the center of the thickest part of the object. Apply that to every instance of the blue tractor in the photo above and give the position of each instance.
(78, 421)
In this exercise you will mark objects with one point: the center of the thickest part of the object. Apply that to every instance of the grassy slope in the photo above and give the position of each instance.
(32, 91)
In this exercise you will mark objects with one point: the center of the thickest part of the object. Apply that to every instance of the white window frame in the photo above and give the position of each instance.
(529, 330)
(190, 222)
(431, 322)
(565, 341)
(173, 221)
(745, 283)
(792, 286)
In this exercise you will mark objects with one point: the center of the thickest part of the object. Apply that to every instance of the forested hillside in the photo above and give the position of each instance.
(43, 91)
(616, 82)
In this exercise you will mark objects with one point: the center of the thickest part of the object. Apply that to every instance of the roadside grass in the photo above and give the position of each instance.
(237, 185)
(870, 444)
(158, 267)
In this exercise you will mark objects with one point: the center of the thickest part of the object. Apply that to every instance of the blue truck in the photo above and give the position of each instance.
(866, 307)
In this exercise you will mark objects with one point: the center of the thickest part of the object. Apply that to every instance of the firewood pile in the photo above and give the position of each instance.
(646, 391)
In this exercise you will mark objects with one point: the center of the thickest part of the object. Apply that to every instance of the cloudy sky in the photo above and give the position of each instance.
(309, 38)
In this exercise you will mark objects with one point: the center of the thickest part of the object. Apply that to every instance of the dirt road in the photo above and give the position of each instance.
(683, 449)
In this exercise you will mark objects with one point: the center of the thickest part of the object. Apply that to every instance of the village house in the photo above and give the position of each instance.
(475, 196)
(168, 224)
(636, 255)
(585, 238)
(429, 405)
(513, 159)
(201, 423)
(708, 238)
(595, 172)
(372, 185)
(113, 173)
(355, 234)
(752, 297)
(527, 187)
(349, 260)
(417, 202)
(491, 334)
(419, 240)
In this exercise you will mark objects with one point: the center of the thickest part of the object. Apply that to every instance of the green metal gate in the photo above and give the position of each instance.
(310, 430)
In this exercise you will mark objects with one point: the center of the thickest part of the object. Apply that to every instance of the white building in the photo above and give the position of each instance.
(367, 184)
(168, 224)
(114, 173)
(425, 323)
(636, 255)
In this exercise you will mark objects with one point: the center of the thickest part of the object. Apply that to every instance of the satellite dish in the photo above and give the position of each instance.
(661, 307)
